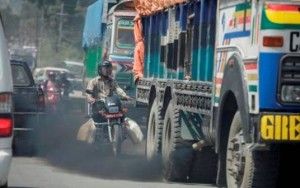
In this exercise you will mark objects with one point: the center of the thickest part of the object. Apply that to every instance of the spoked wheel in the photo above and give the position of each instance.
(245, 168)
(154, 132)
(116, 139)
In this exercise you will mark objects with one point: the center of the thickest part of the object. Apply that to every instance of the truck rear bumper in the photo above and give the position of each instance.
(5, 162)
(29, 113)
(27, 121)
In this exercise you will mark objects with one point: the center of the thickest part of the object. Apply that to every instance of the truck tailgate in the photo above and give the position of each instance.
(25, 99)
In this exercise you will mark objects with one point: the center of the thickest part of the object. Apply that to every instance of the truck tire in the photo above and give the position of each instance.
(244, 168)
(154, 133)
(177, 154)
(204, 168)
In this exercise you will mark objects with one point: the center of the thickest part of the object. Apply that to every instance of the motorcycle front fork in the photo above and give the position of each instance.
(106, 131)
(111, 138)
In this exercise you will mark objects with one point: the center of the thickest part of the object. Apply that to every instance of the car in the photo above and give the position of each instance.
(6, 111)
(75, 67)
(29, 108)
(41, 74)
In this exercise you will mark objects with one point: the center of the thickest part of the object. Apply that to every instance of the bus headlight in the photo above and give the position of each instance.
(290, 93)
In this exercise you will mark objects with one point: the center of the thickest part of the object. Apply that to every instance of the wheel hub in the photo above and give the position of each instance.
(237, 157)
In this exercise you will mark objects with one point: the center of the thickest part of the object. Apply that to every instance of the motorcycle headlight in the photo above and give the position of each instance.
(113, 109)
(290, 93)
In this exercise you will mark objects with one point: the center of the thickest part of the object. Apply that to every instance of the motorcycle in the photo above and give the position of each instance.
(53, 99)
(65, 88)
(65, 99)
(108, 118)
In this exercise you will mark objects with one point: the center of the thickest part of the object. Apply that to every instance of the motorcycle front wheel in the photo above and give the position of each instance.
(116, 139)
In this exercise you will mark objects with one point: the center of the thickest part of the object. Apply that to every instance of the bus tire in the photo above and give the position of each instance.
(246, 168)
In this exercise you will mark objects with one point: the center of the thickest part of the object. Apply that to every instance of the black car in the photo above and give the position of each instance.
(29, 107)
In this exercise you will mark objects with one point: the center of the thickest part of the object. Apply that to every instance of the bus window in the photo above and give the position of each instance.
(125, 35)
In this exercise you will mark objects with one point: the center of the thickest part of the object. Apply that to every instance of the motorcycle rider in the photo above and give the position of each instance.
(52, 92)
(51, 83)
(65, 84)
(104, 85)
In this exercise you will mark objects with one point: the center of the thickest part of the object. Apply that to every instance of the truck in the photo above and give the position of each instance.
(28, 108)
(108, 35)
(221, 82)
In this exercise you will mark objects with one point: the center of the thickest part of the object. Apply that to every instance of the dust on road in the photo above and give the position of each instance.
(60, 148)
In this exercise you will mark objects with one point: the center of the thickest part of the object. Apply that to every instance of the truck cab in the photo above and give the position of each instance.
(29, 108)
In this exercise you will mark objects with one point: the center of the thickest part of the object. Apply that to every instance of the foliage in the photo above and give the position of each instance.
(40, 23)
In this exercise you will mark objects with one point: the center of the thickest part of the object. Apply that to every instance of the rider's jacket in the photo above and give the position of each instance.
(104, 87)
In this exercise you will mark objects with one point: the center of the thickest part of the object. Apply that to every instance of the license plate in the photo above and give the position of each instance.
(280, 127)
(109, 116)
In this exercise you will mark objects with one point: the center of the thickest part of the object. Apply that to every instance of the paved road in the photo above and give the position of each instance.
(64, 162)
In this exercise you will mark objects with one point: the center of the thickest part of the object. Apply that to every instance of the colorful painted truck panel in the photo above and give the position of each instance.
(222, 82)
(108, 34)
(119, 43)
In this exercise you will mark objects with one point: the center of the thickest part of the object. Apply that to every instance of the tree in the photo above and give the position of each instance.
(42, 22)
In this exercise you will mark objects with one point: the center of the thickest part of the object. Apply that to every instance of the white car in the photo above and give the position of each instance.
(41, 74)
(6, 117)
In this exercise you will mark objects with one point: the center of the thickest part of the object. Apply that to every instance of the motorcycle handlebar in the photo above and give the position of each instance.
(122, 99)
(129, 101)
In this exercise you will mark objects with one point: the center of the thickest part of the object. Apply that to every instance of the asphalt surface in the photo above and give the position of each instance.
(62, 161)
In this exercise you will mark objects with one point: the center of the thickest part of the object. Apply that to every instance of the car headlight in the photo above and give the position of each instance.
(290, 93)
